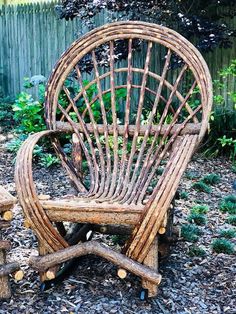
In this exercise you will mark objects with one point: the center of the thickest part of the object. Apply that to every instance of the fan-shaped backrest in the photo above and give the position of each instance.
(127, 90)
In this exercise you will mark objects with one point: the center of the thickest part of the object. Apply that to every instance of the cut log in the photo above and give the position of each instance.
(4, 224)
(51, 273)
(162, 230)
(113, 229)
(7, 269)
(5, 245)
(27, 224)
(6, 200)
(122, 273)
(151, 260)
(5, 291)
(44, 197)
(18, 275)
(7, 215)
(93, 247)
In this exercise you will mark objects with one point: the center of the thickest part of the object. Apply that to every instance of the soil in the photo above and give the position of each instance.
(190, 284)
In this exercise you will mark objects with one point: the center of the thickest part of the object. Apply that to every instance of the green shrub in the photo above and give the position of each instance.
(211, 179)
(201, 187)
(229, 143)
(198, 219)
(196, 251)
(229, 204)
(228, 233)
(223, 246)
(192, 175)
(14, 145)
(199, 209)
(190, 232)
(28, 114)
(183, 195)
(232, 220)
(223, 118)
(47, 160)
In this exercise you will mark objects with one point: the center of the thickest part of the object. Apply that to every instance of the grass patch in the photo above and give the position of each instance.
(232, 220)
(183, 195)
(211, 179)
(198, 219)
(201, 187)
(196, 251)
(223, 246)
(190, 232)
(199, 209)
(228, 233)
(191, 175)
(229, 204)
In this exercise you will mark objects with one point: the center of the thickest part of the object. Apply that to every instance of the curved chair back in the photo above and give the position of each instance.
(127, 114)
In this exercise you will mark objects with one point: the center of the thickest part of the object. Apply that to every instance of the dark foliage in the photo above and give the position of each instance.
(197, 20)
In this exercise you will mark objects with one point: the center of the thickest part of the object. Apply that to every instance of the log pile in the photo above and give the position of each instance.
(7, 201)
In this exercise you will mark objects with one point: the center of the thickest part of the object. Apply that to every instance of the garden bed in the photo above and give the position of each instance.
(190, 284)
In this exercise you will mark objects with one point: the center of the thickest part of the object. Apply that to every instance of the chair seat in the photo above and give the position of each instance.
(90, 211)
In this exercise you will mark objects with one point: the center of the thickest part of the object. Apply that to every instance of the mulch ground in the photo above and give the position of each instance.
(190, 284)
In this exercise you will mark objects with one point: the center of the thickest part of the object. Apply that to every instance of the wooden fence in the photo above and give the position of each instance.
(32, 39)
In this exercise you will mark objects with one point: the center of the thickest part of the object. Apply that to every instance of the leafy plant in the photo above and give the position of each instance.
(229, 204)
(198, 219)
(14, 145)
(228, 233)
(196, 251)
(231, 144)
(190, 232)
(47, 160)
(183, 195)
(28, 114)
(232, 220)
(223, 246)
(211, 179)
(223, 118)
(199, 209)
(192, 175)
(201, 187)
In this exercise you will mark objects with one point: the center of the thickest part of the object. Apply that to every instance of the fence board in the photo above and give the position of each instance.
(33, 38)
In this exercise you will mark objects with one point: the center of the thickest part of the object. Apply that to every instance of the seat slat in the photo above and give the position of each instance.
(92, 212)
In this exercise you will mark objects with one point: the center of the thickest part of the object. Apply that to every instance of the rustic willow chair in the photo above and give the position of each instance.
(135, 124)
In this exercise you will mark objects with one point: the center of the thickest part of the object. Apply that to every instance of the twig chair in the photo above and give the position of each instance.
(135, 125)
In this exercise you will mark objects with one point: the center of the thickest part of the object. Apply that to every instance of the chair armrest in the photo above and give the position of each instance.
(26, 191)
(145, 232)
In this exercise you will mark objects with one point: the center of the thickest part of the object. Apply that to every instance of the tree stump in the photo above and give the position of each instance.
(7, 201)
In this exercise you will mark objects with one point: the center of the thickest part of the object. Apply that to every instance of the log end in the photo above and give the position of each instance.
(122, 273)
(50, 274)
(19, 275)
(7, 215)
(44, 197)
(27, 224)
(162, 230)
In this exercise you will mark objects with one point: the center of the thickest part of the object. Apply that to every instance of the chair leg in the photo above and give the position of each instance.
(42, 251)
(151, 260)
